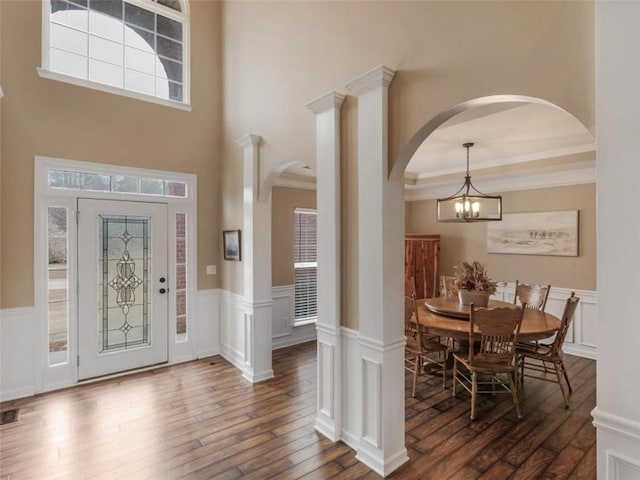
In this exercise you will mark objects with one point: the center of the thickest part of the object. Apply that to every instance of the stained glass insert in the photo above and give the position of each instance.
(125, 282)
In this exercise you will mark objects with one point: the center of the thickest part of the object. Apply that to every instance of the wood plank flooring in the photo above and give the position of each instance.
(201, 420)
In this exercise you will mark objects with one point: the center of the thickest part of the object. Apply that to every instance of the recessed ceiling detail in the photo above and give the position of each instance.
(503, 134)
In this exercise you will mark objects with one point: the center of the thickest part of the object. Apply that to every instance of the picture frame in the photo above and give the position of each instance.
(535, 233)
(231, 244)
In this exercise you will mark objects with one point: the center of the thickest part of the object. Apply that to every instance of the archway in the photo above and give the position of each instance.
(431, 127)
(407, 152)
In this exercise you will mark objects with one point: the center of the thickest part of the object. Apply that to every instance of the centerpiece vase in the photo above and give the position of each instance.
(478, 298)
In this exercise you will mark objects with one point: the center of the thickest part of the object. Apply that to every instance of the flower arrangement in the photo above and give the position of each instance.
(473, 276)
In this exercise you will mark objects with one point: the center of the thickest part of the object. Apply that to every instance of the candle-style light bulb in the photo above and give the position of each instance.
(458, 209)
(475, 206)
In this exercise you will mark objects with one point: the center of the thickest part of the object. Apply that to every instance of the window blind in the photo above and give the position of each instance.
(305, 267)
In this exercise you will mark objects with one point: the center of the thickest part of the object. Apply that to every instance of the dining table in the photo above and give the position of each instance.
(447, 317)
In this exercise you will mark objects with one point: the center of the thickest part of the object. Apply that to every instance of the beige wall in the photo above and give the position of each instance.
(284, 202)
(459, 242)
(444, 53)
(248, 76)
(50, 118)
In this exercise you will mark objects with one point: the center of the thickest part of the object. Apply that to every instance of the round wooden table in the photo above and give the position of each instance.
(446, 317)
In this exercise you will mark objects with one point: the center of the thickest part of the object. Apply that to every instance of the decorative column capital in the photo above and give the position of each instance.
(326, 102)
(249, 140)
(380, 76)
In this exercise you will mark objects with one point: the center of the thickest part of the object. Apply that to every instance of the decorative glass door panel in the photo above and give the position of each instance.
(123, 285)
(125, 275)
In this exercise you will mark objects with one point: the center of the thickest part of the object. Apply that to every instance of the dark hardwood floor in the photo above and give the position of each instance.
(201, 420)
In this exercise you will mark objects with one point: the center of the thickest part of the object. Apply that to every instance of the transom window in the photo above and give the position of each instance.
(135, 45)
(98, 182)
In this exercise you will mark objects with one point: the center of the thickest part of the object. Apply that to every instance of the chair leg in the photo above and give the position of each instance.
(415, 375)
(444, 371)
(455, 372)
(566, 377)
(564, 392)
(474, 392)
(514, 393)
(521, 359)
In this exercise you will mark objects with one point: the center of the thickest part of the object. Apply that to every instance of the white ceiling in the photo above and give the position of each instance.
(503, 134)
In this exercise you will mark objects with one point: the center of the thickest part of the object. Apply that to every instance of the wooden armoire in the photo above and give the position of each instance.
(422, 265)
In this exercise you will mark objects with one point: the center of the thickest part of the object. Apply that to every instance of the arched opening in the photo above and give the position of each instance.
(525, 145)
(443, 117)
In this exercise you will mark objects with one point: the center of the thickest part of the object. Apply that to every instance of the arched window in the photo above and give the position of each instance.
(123, 46)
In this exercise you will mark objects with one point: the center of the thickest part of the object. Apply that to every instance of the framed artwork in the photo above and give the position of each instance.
(536, 233)
(231, 245)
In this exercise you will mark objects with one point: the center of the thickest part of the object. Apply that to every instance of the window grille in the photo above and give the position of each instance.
(135, 45)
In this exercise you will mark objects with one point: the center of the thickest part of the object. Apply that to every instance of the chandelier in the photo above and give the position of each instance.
(469, 204)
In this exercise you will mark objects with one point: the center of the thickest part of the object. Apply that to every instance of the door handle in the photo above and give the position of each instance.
(162, 280)
(163, 290)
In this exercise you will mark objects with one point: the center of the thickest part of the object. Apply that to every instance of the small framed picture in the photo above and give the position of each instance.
(231, 245)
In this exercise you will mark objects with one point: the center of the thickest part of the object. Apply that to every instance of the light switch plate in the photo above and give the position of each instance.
(211, 269)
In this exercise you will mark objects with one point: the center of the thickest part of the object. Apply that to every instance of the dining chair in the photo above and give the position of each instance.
(534, 295)
(535, 357)
(419, 350)
(491, 359)
(447, 288)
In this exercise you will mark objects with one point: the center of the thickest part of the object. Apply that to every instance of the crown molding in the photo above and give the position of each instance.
(379, 76)
(249, 139)
(556, 176)
(558, 152)
(289, 180)
(326, 102)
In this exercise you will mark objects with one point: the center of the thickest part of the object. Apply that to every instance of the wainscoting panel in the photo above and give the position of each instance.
(325, 359)
(621, 459)
(23, 369)
(207, 341)
(17, 351)
(351, 388)
(235, 316)
(233, 309)
(284, 333)
(582, 339)
(371, 391)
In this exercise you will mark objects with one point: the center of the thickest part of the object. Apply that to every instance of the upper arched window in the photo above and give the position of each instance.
(137, 46)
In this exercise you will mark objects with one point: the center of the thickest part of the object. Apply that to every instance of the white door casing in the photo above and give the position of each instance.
(122, 299)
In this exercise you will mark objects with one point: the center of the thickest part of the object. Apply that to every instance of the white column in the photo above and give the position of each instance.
(329, 414)
(256, 258)
(380, 280)
(617, 416)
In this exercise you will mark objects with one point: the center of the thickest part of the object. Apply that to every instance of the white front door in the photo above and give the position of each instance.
(122, 286)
